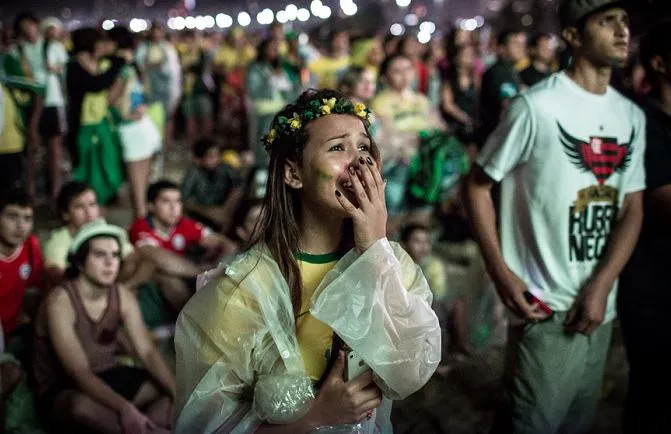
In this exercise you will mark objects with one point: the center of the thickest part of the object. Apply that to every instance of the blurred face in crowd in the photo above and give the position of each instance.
(53, 33)
(167, 208)
(376, 54)
(340, 43)
(211, 159)
(30, 30)
(390, 46)
(82, 209)
(466, 57)
(277, 31)
(418, 246)
(16, 223)
(604, 39)
(462, 37)
(272, 53)
(545, 50)
(101, 266)
(364, 89)
(400, 74)
(157, 34)
(412, 48)
(515, 47)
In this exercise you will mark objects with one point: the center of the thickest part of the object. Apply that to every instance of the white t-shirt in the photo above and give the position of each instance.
(57, 57)
(566, 158)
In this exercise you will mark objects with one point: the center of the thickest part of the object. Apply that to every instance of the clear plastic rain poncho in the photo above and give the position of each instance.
(238, 360)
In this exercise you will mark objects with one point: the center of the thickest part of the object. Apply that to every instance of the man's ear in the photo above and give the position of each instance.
(572, 37)
(292, 175)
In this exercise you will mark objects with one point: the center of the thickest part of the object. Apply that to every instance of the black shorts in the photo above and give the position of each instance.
(53, 122)
(12, 171)
(124, 380)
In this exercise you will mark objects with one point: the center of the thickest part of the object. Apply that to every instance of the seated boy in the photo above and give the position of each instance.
(21, 265)
(164, 236)
(211, 188)
(80, 385)
(449, 307)
(78, 205)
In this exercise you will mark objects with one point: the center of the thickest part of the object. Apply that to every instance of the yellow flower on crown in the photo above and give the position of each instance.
(272, 135)
(295, 122)
(328, 106)
(360, 110)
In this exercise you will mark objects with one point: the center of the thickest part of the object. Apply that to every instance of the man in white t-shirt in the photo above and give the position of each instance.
(569, 157)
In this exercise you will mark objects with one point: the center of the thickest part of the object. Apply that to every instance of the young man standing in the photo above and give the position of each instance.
(644, 297)
(542, 52)
(80, 384)
(164, 236)
(571, 211)
(501, 82)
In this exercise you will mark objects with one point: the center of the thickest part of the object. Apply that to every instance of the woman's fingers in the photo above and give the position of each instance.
(358, 187)
(345, 203)
(366, 176)
(377, 176)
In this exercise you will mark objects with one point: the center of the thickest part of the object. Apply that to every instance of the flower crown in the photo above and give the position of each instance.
(317, 108)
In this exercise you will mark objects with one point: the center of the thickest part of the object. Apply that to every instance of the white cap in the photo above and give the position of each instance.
(93, 229)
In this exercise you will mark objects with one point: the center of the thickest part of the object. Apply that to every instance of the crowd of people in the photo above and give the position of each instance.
(329, 217)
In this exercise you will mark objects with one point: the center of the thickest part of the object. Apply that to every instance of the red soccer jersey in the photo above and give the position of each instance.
(184, 234)
(21, 270)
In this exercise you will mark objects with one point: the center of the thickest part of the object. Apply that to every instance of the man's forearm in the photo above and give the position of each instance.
(622, 241)
(159, 371)
(480, 207)
(170, 263)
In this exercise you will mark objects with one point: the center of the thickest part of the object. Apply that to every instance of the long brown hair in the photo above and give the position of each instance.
(278, 226)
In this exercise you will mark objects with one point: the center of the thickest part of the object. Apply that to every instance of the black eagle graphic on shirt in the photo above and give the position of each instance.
(601, 155)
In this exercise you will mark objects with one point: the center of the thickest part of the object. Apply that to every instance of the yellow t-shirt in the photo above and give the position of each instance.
(410, 115)
(326, 70)
(314, 337)
(436, 276)
(11, 138)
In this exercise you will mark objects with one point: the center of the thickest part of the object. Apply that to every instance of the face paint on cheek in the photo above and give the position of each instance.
(322, 175)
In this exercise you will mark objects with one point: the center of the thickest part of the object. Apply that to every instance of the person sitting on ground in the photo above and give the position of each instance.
(78, 205)
(211, 188)
(164, 236)
(21, 266)
(80, 384)
(449, 307)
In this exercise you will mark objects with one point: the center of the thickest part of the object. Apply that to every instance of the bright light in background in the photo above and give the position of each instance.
(397, 29)
(480, 20)
(224, 21)
(403, 3)
(190, 22)
(244, 19)
(303, 14)
(469, 24)
(315, 7)
(424, 37)
(265, 17)
(348, 7)
(282, 17)
(303, 38)
(411, 20)
(325, 12)
(200, 22)
(209, 21)
(109, 25)
(292, 12)
(427, 27)
(179, 23)
(137, 25)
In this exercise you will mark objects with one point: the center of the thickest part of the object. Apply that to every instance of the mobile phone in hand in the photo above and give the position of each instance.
(532, 299)
(355, 366)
